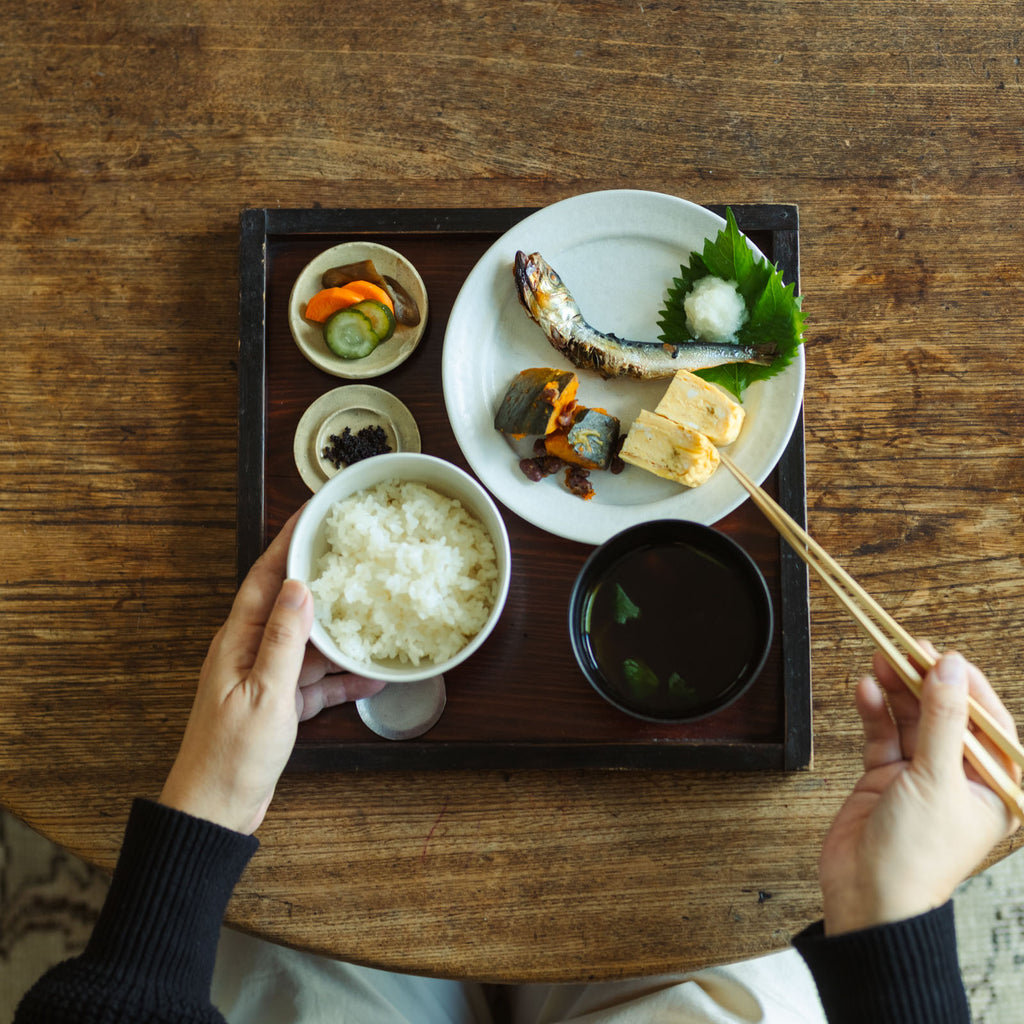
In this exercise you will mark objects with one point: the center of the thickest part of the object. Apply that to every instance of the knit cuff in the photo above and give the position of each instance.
(889, 974)
(161, 921)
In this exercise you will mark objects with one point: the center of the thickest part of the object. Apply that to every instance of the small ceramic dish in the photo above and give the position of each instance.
(309, 336)
(309, 545)
(670, 621)
(354, 406)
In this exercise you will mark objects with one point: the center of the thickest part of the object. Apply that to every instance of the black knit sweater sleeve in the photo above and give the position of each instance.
(151, 954)
(902, 973)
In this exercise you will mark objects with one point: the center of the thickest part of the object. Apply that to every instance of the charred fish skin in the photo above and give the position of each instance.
(551, 306)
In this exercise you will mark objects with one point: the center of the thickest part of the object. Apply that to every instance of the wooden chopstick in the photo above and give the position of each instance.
(802, 542)
(886, 633)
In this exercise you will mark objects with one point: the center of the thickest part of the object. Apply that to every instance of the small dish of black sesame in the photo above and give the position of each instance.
(348, 425)
(347, 448)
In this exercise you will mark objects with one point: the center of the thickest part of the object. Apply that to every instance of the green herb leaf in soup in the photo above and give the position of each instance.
(625, 610)
(681, 689)
(640, 677)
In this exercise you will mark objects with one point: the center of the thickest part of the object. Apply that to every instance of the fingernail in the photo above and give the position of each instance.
(952, 670)
(293, 593)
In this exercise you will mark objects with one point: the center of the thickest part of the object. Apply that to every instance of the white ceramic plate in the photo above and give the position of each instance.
(617, 252)
(310, 336)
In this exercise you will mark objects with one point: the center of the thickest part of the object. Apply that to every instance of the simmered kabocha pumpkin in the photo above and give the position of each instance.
(534, 400)
(589, 440)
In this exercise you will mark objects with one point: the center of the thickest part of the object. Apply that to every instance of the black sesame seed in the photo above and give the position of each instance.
(349, 447)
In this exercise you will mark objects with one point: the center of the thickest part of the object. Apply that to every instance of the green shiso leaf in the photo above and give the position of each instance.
(774, 313)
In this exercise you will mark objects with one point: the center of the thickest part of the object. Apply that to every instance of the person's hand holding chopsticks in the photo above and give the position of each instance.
(919, 821)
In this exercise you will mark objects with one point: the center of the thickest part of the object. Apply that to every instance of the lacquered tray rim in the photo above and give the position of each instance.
(258, 229)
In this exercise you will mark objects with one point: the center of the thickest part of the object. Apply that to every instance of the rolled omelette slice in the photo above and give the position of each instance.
(693, 402)
(669, 450)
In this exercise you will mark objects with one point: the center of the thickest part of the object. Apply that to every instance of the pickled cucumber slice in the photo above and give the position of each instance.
(379, 315)
(349, 333)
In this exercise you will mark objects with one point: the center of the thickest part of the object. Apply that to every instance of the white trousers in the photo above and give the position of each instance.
(256, 982)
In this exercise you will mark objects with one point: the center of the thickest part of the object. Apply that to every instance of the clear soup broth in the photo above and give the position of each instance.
(672, 629)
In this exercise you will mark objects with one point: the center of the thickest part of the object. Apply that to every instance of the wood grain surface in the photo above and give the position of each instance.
(134, 133)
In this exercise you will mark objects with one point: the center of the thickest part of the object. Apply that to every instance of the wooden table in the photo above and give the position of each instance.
(132, 139)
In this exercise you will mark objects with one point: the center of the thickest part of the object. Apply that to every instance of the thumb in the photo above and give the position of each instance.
(940, 747)
(279, 659)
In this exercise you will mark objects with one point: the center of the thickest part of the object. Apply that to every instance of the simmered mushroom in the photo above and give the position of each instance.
(337, 277)
(407, 312)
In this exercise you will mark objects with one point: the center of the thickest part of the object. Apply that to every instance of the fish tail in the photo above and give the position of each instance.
(765, 355)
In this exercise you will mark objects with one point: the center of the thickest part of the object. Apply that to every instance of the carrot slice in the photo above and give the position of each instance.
(369, 290)
(328, 301)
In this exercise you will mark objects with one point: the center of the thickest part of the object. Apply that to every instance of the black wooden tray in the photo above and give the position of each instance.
(520, 701)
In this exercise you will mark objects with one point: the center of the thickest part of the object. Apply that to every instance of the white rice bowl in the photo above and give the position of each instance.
(410, 575)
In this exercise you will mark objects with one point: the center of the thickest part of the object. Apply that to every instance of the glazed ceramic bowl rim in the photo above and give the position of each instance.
(443, 476)
(632, 537)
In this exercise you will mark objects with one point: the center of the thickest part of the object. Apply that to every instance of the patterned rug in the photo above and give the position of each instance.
(49, 901)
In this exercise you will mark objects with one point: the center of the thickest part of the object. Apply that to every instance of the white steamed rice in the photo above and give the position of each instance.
(410, 574)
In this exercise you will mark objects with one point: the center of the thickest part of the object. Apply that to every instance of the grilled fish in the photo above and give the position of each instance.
(550, 305)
